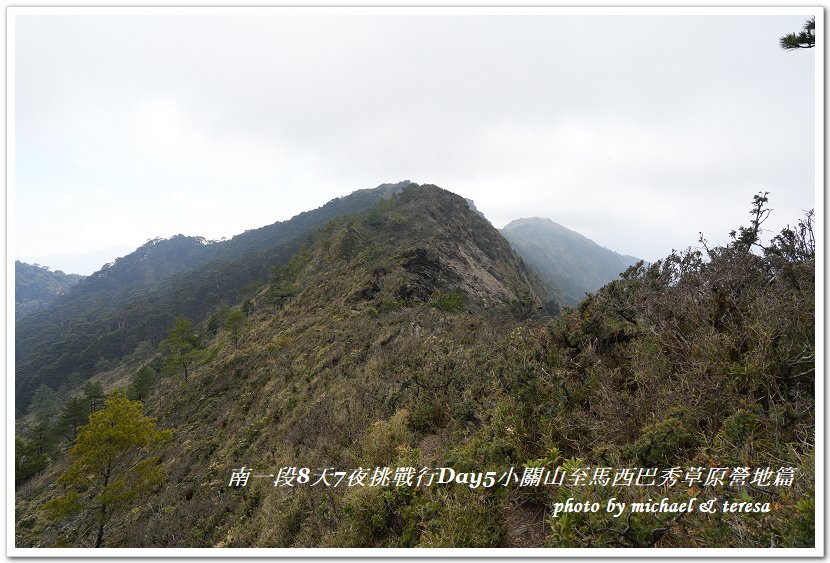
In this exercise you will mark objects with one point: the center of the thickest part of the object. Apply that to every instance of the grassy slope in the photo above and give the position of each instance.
(376, 347)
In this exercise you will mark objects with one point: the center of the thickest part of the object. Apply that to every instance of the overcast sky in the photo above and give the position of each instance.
(635, 131)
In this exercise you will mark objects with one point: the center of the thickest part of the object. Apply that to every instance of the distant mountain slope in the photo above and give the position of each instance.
(426, 245)
(36, 286)
(396, 342)
(84, 263)
(569, 263)
(307, 221)
(387, 313)
(159, 258)
(138, 296)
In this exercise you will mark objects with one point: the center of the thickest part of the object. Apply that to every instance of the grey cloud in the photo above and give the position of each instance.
(571, 117)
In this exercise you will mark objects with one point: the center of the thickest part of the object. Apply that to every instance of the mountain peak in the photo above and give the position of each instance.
(148, 287)
(418, 246)
(569, 263)
(544, 223)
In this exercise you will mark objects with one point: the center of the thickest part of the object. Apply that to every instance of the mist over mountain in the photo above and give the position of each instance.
(366, 308)
(135, 298)
(36, 286)
(406, 332)
(569, 264)
(83, 263)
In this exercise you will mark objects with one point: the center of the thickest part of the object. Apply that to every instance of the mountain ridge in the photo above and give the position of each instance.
(408, 336)
(36, 286)
(569, 263)
(136, 297)
(354, 330)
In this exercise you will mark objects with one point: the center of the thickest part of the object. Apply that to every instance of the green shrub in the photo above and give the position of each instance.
(664, 442)
(453, 301)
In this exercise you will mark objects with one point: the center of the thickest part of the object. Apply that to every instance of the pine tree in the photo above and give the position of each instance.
(235, 324)
(94, 395)
(182, 346)
(806, 39)
(74, 413)
(28, 460)
(114, 461)
(247, 307)
(44, 403)
(142, 385)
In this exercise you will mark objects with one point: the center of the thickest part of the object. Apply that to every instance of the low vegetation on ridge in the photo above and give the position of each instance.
(412, 335)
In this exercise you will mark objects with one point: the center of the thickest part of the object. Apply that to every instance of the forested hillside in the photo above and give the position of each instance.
(130, 302)
(411, 335)
(36, 286)
(569, 264)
